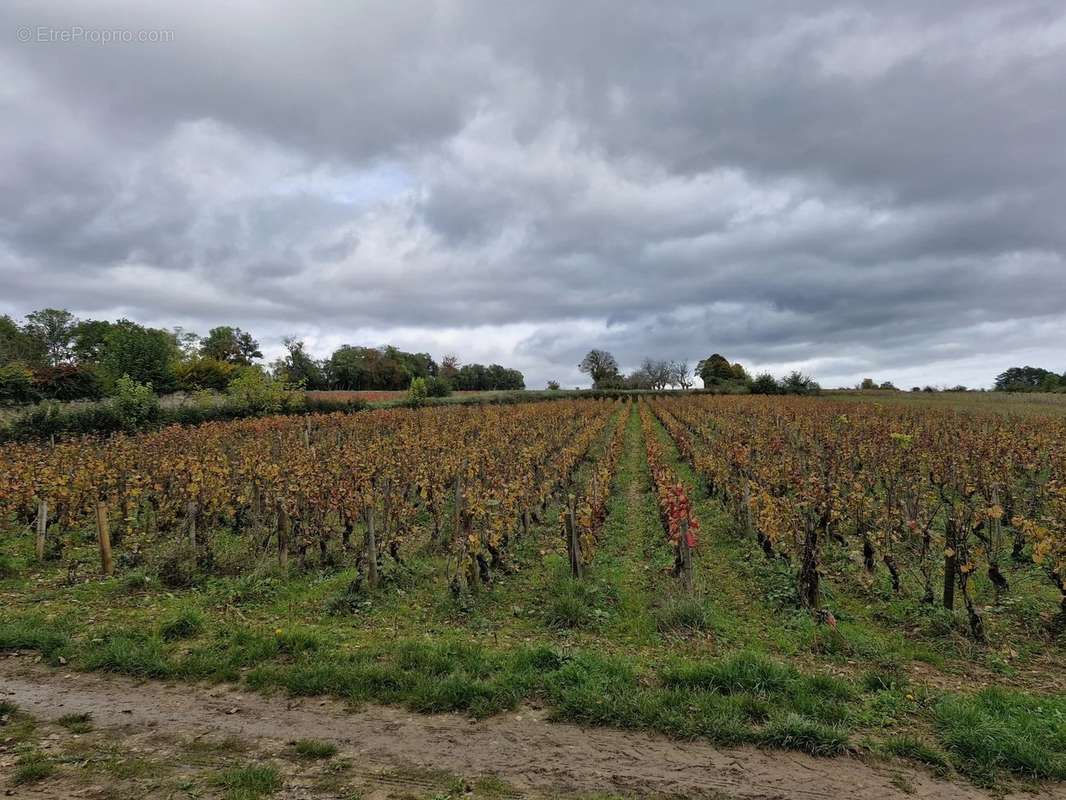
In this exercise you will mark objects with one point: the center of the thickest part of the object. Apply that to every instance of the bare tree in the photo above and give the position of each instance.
(658, 371)
(680, 374)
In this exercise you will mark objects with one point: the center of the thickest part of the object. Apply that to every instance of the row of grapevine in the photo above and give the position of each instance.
(675, 506)
(932, 495)
(305, 481)
(515, 483)
(583, 517)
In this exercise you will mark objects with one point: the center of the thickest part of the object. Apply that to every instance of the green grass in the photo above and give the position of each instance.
(129, 653)
(1001, 730)
(684, 614)
(33, 633)
(186, 624)
(248, 782)
(16, 727)
(134, 582)
(77, 723)
(796, 732)
(915, 749)
(32, 766)
(9, 567)
(575, 603)
(313, 749)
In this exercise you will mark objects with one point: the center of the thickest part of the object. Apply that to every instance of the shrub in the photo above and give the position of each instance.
(136, 403)
(16, 384)
(798, 383)
(204, 373)
(418, 392)
(68, 382)
(255, 392)
(49, 420)
(765, 383)
(437, 387)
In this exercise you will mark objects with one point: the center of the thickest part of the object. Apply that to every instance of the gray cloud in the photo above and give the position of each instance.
(854, 189)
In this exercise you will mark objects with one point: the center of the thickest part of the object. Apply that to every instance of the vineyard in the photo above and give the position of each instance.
(807, 573)
(934, 497)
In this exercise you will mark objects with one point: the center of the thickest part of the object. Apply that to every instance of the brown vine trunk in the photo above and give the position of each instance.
(977, 625)
(999, 580)
(950, 564)
(808, 574)
(371, 548)
(283, 537)
(867, 554)
(893, 571)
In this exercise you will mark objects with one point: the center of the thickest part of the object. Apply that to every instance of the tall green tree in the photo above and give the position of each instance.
(298, 367)
(1028, 379)
(17, 346)
(715, 369)
(449, 368)
(54, 329)
(602, 367)
(146, 355)
(226, 343)
(90, 336)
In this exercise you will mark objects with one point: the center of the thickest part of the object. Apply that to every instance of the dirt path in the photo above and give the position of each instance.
(531, 755)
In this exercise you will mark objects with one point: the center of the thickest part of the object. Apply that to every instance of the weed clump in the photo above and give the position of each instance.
(313, 749)
(186, 624)
(77, 723)
(248, 782)
(685, 614)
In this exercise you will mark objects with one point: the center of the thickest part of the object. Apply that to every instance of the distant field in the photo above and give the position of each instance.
(1049, 403)
(370, 396)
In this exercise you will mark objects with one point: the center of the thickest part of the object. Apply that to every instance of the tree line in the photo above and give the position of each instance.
(54, 355)
(389, 368)
(716, 372)
(1030, 379)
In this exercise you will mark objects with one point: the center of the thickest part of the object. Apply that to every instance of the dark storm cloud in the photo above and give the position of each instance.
(852, 189)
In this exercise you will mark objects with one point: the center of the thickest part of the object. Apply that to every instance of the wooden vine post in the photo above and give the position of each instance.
(685, 556)
(573, 542)
(190, 513)
(748, 527)
(284, 526)
(458, 503)
(372, 577)
(42, 528)
(103, 534)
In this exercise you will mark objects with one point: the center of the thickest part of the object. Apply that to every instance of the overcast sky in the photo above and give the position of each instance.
(864, 189)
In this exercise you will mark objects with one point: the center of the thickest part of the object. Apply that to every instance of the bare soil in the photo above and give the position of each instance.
(392, 751)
